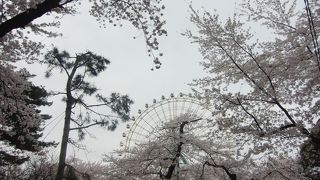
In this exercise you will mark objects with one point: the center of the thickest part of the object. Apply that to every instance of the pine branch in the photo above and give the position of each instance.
(87, 126)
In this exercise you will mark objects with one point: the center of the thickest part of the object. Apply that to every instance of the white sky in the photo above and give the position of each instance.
(129, 71)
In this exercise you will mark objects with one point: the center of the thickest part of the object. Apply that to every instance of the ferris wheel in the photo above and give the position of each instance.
(150, 123)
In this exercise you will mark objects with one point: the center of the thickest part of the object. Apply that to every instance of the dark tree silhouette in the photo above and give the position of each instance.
(78, 69)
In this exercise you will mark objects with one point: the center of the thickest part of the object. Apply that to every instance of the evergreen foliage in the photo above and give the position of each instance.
(78, 69)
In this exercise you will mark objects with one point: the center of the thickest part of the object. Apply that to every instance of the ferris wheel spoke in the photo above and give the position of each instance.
(169, 109)
(189, 109)
(153, 119)
(173, 109)
(160, 120)
(195, 112)
(143, 128)
(202, 113)
(154, 129)
(164, 113)
(182, 107)
(141, 135)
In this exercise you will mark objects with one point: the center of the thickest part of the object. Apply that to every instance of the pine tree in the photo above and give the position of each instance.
(78, 69)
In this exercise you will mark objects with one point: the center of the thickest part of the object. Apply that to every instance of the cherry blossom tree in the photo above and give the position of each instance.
(17, 22)
(310, 155)
(18, 30)
(21, 123)
(183, 148)
(264, 91)
(194, 148)
(43, 165)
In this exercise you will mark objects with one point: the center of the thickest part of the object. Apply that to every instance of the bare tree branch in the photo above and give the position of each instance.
(257, 63)
(251, 115)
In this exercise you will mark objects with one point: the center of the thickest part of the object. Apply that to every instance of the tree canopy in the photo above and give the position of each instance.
(17, 22)
(21, 121)
(264, 90)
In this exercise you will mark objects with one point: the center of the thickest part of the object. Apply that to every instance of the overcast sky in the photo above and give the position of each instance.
(129, 71)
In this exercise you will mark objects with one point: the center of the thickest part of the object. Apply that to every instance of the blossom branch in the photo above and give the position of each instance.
(23, 19)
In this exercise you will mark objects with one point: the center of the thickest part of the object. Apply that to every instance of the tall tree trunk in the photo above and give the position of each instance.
(64, 142)
(67, 120)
